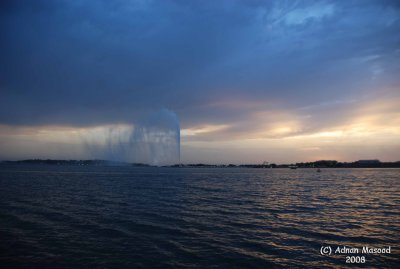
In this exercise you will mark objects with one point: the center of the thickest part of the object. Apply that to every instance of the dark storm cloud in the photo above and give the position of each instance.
(99, 62)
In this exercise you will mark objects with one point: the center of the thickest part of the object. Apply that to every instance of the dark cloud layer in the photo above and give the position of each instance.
(99, 62)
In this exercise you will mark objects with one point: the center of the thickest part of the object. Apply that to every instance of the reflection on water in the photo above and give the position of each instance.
(195, 218)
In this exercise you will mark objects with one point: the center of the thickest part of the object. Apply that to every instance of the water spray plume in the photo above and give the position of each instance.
(154, 140)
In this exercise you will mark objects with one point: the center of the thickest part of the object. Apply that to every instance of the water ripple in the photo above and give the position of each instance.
(124, 217)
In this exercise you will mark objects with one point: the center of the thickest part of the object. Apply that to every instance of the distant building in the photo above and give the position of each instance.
(368, 162)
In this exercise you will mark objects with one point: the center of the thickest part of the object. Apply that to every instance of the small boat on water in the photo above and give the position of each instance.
(318, 170)
(293, 166)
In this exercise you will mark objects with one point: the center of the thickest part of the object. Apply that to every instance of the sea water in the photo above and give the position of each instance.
(127, 217)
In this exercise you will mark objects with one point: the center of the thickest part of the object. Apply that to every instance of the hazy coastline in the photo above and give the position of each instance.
(316, 164)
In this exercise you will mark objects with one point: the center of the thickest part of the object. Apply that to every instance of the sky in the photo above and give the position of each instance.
(250, 81)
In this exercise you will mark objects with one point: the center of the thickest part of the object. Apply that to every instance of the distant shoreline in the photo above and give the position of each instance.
(316, 164)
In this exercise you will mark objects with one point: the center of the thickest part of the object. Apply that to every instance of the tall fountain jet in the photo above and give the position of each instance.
(156, 139)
